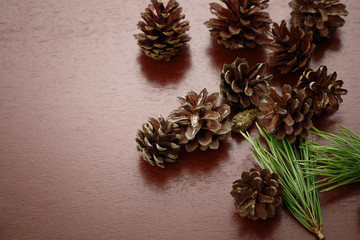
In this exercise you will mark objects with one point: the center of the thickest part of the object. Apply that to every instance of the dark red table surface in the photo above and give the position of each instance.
(74, 89)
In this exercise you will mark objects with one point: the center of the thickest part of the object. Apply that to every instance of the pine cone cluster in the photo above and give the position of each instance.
(257, 194)
(242, 86)
(324, 89)
(322, 17)
(292, 50)
(198, 123)
(163, 32)
(201, 123)
(157, 142)
(287, 115)
(240, 24)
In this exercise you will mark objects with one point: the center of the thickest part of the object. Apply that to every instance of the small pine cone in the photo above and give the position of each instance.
(292, 50)
(322, 17)
(241, 24)
(157, 142)
(287, 115)
(257, 194)
(243, 120)
(241, 86)
(164, 34)
(201, 123)
(324, 89)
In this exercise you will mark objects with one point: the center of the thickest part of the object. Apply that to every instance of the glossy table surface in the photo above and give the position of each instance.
(74, 89)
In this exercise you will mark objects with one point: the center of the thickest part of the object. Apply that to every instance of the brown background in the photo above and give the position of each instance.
(75, 87)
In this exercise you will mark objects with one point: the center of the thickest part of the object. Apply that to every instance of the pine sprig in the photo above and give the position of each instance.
(338, 162)
(283, 159)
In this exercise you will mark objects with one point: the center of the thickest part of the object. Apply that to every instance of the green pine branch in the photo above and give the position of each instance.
(339, 162)
(287, 161)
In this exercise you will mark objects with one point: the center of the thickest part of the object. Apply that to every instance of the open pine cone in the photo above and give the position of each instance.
(201, 123)
(241, 86)
(292, 49)
(287, 115)
(324, 89)
(240, 24)
(257, 194)
(157, 142)
(322, 17)
(164, 34)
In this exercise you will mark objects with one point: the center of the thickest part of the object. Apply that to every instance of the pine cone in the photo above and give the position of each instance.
(257, 194)
(201, 123)
(164, 34)
(242, 24)
(243, 87)
(157, 142)
(324, 89)
(292, 49)
(287, 115)
(243, 120)
(322, 17)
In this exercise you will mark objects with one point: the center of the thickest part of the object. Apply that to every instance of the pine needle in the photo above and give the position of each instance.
(283, 158)
(338, 162)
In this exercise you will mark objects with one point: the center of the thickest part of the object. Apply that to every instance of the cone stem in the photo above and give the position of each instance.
(318, 232)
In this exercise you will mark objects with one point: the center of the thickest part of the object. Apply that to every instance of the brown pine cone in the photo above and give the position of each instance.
(241, 86)
(324, 89)
(287, 115)
(257, 194)
(240, 24)
(292, 49)
(322, 17)
(157, 142)
(302, 116)
(164, 34)
(201, 123)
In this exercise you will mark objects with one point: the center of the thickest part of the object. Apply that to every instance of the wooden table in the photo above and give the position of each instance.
(74, 89)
